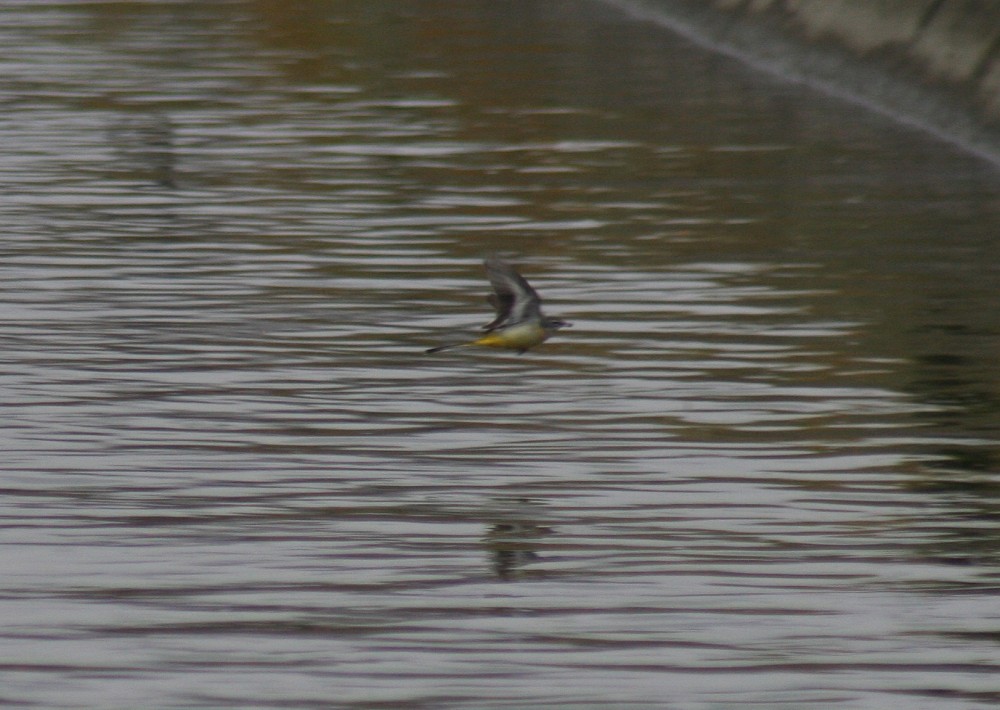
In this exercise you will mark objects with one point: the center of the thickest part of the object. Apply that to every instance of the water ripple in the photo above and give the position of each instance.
(758, 471)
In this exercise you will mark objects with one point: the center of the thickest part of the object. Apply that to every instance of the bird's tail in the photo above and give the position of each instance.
(452, 346)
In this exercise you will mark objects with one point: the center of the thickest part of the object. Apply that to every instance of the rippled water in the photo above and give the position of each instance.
(760, 470)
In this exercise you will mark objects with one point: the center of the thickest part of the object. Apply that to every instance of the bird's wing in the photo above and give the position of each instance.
(513, 297)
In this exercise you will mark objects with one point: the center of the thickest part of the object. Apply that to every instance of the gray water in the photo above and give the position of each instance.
(760, 471)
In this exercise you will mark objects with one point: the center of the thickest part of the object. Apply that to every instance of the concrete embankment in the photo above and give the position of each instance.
(930, 63)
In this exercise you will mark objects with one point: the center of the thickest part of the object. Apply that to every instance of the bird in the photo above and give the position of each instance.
(519, 323)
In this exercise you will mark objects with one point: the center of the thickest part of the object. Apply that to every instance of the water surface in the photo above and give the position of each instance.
(760, 470)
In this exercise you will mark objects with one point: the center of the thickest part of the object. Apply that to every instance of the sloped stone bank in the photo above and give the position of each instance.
(931, 63)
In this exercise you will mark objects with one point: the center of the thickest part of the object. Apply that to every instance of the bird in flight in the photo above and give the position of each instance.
(519, 323)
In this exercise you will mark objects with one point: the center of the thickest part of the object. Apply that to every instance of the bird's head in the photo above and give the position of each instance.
(554, 324)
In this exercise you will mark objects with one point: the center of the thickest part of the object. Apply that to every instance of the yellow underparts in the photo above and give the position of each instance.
(516, 337)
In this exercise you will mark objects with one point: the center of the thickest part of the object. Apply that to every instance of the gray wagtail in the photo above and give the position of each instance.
(519, 324)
